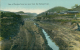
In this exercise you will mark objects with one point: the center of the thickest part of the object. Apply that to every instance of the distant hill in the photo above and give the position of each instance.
(57, 9)
(20, 12)
(23, 14)
(29, 14)
(32, 14)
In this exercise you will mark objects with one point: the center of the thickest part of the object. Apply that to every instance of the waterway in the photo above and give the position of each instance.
(50, 42)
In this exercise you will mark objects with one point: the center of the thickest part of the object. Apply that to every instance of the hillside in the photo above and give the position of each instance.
(60, 14)
(23, 14)
(57, 9)
(77, 8)
(10, 23)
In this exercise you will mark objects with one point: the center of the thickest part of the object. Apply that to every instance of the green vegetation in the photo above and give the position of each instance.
(57, 9)
(20, 12)
(58, 17)
(0, 26)
(77, 8)
(10, 23)
(62, 20)
(26, 15)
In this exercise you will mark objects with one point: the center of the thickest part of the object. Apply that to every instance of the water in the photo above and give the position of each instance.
(50, 43)
(34, 23)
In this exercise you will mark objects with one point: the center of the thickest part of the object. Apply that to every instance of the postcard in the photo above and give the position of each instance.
(39, 24)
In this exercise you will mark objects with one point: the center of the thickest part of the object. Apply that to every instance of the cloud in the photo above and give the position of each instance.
(26, 10)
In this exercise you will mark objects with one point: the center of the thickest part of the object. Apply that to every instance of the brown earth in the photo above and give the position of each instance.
(30, 37)
(64, 35)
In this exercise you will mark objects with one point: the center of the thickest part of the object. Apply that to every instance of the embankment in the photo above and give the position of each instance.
(63, 35)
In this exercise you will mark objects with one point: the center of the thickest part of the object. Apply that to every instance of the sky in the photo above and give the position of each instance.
(35, 6)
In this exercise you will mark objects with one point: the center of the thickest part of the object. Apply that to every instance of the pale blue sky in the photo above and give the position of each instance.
(36, 8)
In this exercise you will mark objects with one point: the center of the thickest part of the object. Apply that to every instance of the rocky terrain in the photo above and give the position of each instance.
(66, 36)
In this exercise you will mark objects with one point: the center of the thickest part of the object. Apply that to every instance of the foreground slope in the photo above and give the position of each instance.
(29, 37)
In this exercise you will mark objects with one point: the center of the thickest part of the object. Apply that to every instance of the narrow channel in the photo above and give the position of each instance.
(50, 42)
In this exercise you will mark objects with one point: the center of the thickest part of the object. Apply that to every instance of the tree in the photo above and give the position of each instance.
(2, 14)
(75, 6)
